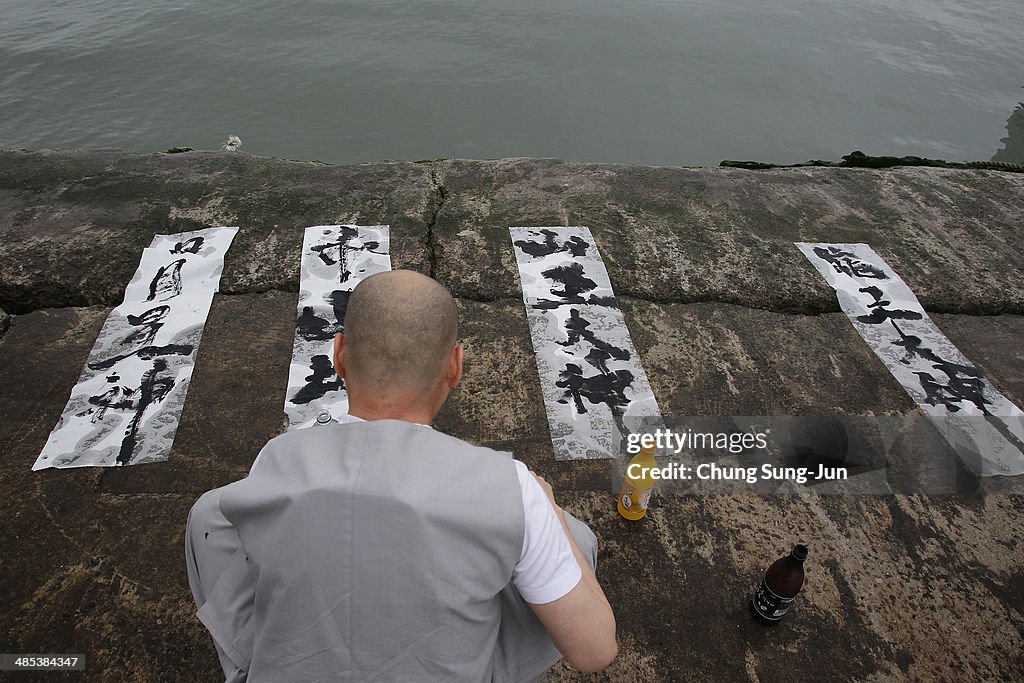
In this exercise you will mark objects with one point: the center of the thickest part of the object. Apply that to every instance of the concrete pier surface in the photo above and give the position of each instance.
(728, 319)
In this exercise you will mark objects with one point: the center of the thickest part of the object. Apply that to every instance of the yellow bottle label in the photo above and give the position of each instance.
(635, 500)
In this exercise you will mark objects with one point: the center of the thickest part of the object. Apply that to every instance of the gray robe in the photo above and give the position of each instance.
(367, 551)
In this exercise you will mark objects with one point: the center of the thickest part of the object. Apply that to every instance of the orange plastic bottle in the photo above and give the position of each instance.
(636, 490)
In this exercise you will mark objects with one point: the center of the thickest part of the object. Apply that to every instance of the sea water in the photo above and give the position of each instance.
(674, 82)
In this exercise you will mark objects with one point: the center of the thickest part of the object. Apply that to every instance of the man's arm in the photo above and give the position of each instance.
(581, 622)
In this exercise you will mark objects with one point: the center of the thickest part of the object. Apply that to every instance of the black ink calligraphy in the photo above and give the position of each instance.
(348, 240)
(167, 282)
(879, 313)
(576, 246)
(590, 374)
(574, 283)
(151, 321)
(607, 388)
(116, 398)
(338, 299)
(321, 381)
(576, 328)
(154, 389)
(125, 407)
(847, 262)
(312, 327)
(190, 246)
(145, 353)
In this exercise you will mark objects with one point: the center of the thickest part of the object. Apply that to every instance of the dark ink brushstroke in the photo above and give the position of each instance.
(965, 383)
(312, 327)
(847, 262)
(322, 250)
(572, 278)
(607, 388)
(342, 246)
(599, 359)
(610, 389)
(338, 299)
(319, 382)
(571, 379)
(190, 246)
(145, 353)
(576, 327)
(167, 283)
(593, 300)
(117, 398)
(914, 346)
(151, 321)
(574, 283)
(575, 245)
(152, 390)
(955, 392)
(880, 313)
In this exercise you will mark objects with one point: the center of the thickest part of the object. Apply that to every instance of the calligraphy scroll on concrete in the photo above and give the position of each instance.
(124, 410)
(590, 374)
(983, 427)
(335, 258)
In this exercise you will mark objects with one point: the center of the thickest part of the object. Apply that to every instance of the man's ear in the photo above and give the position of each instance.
(454, 375)
(339, 355)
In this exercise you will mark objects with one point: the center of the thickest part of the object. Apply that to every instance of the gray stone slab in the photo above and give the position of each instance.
(74, 223)
(725, 324)
(677, 234)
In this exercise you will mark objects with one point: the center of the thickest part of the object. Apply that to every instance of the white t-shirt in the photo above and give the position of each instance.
(547, 568)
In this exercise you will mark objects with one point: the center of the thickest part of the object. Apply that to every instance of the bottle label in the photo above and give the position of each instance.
(768, 604)
(632, 499)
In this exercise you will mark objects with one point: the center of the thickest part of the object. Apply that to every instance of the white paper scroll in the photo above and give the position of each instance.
(125, 408)
(590, 374)
(334, 260)
(985, 429)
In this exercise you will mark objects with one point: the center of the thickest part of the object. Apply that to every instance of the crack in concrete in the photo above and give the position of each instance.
(292, 289)
(440, 197)
(783, 309)
(41, 499)
(665, 301)
(811, 311)
(37, 301)
(832, 306)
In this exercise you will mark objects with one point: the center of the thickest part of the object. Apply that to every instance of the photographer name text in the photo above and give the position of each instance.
(710, 471)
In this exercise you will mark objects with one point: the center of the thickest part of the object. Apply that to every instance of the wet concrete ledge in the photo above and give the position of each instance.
(728, 318)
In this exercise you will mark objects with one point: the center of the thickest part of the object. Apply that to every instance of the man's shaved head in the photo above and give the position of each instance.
(400, 328)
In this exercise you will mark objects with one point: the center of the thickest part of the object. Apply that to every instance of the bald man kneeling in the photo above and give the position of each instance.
(380, 549)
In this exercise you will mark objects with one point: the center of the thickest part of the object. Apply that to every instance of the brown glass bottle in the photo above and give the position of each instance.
(779, 587)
